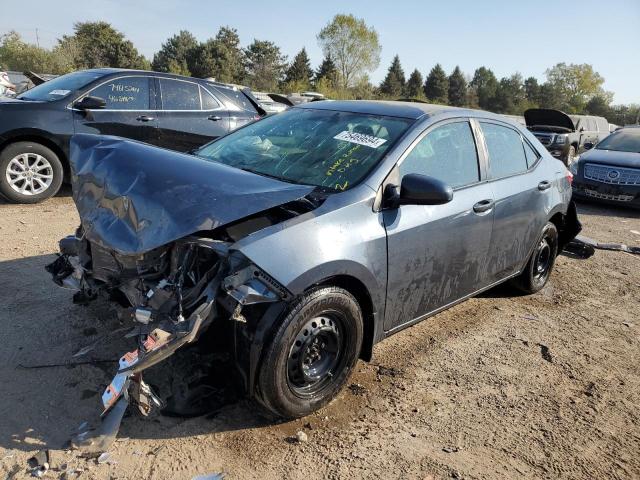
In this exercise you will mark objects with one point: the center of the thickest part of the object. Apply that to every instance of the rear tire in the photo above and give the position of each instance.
(540, 264)
(29, 172)
(312, 354)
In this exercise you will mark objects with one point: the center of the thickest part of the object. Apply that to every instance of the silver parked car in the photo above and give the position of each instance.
(311, 235)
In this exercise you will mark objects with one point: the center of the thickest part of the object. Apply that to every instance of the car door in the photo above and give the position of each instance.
(437, 253)
(128, 112)
(191, 115)
(519, 190)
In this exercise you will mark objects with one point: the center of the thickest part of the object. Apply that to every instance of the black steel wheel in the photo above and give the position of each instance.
(538, 269)
(312, 353)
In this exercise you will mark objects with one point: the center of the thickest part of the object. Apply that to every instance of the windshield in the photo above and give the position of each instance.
(60, 87)
(313, 147)
(621, 142)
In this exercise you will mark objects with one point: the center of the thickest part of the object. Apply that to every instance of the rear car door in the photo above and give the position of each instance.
(129, 110)
(190, 115)
(520, 190)
(437, 253)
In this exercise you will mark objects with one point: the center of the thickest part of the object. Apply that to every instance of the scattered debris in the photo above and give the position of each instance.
(591, 390)
(627, 324)
(450, 449)
(635, 232)
(357, 389)
(529, 316)
(584, 247)
(388, 371)
(301, 437)
(106, 458)
(39, 463)
(210, 476)
(546, 353)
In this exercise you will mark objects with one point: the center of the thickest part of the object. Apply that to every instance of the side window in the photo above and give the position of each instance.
(127, 93)
(506, 156)
(531, 154)
(179, 95)
(447, 153)
(208, 102)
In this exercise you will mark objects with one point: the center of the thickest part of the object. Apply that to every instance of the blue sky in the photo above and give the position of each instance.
(506, 36)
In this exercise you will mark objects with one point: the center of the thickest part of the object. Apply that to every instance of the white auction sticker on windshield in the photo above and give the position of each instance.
(62, 93)
(360, 139)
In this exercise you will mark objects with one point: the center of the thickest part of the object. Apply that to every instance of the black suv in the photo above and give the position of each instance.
(166, 110)
(565, 135)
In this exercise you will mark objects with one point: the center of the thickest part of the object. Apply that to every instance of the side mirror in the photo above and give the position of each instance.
(418, 189)
(90, 103)
(588, 145)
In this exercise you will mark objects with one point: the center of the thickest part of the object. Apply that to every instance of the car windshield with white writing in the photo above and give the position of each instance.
(325, 148)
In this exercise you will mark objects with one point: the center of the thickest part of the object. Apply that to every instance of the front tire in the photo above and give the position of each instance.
(312, 354)
(538, 269)
(29, 172)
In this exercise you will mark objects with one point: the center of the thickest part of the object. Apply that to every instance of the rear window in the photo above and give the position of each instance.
(506, 155)
(179, 95)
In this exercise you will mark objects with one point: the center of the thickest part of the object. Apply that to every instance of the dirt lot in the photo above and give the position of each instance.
(502, 386)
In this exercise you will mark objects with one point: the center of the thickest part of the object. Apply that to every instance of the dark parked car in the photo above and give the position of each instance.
(610, 171)
(565, 135)
(311, 235)
(167, 110)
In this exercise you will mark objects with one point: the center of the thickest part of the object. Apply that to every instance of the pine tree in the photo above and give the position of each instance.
(328, 71)
(394, 82)
(457, 88)
(436, 88)
(300, 69)
(413, 88)
(485, 84)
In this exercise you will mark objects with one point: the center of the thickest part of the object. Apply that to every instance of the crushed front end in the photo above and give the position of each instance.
(169, 296)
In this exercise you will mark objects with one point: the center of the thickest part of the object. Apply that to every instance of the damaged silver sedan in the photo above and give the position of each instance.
(305, 238)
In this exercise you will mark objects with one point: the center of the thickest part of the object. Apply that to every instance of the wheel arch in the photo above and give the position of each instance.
(42, 138)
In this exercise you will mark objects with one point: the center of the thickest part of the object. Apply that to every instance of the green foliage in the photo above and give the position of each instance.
(510, 95)
(394, 83)
(457, 88)
(413, 88)
(299, 72)
(265, 65)
(436, 87)
(220, 58)
(327, 73)
(176, 54)
(98, 44)
(575, 85)
(532, 91)
(353, 46)
(485, 85)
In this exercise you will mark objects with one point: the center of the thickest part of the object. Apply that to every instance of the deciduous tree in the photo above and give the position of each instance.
(353, 46)
(485, 84)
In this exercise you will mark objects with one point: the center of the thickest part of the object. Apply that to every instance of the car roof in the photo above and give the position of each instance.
(410, 110)
(111, 71)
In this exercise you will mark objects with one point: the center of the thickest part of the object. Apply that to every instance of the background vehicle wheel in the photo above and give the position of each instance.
(571, 156)
(312, 354)
(29, 172)
(535, 275)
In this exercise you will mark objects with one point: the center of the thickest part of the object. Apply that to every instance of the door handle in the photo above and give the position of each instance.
(544, 185)
(144, 118)
(483, 206)
(214, 118)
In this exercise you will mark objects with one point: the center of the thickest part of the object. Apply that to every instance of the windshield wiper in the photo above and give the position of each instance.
(275, 177)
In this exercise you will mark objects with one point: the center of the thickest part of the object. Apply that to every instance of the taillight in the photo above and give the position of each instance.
(569, 177)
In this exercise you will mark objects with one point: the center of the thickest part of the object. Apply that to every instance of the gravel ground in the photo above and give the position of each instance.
(501, 386)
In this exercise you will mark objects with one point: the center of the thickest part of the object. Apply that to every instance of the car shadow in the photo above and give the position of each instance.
(47, 392)
(65, 191)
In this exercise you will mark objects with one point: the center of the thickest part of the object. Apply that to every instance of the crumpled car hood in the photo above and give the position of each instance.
(133, 197)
